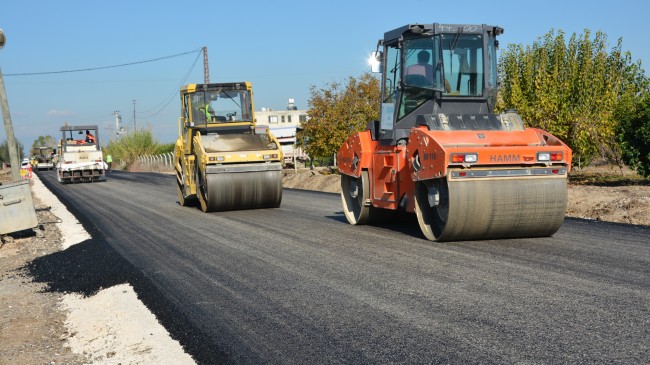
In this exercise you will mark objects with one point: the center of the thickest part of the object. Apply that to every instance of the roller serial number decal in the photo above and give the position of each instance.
(429, 156)
(505, 158)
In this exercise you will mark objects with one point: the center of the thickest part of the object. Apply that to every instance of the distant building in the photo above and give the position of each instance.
(284, 124)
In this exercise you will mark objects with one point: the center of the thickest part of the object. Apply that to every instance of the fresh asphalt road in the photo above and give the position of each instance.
(297, 284)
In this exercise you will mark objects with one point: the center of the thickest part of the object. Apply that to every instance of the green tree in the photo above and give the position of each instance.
(634, 137)
(572, 89)
(4, 151)
(337, 111)
(42, 141)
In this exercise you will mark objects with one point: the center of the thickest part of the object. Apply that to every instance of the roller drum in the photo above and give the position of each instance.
(242, 190)
(491, 208)
(354, 194)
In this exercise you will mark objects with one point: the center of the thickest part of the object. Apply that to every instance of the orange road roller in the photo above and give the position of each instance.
(440, 151)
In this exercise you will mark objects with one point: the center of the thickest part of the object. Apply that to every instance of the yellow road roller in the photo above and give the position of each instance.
(223, 159)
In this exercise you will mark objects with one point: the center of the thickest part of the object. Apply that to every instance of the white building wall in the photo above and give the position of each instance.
(283, 125)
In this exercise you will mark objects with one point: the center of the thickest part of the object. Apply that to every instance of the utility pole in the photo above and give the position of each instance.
(9, 128)
(206, 68)
(134, 125)
(119, 129)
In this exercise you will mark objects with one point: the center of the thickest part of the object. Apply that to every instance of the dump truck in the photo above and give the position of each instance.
(80, 157)
(439, 149)
(223, 159)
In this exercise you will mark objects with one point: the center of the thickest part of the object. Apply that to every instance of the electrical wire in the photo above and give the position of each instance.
(102, 67)
(171, 95)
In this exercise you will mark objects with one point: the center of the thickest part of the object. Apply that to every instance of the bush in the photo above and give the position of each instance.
(634, 137)
(133, 145)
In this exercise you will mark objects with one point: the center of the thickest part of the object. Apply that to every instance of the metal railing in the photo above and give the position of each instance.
(165, 159)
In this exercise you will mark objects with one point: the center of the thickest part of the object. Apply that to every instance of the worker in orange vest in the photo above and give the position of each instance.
(89, 137)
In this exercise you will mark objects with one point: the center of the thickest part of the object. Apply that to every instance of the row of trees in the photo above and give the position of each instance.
(576, 90)
(597, 101)
(4, 152)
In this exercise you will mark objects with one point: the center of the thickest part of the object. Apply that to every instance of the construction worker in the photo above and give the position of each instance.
(109, 161)
(423, 67)
(89, 137)
(207, 111)
(207, 108)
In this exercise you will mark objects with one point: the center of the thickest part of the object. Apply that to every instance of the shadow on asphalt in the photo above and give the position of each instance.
(401, 222)
(93, 265)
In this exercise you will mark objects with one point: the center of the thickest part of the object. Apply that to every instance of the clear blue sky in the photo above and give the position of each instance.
(282, 47)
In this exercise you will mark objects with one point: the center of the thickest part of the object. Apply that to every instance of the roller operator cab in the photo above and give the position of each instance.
(441, 152)
(223, 158)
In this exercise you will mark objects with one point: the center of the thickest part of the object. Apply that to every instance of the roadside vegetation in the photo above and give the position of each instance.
(634, 139)
(4, 152)
(126, 150)
(603, 173)
(336, 111)
(591, 98)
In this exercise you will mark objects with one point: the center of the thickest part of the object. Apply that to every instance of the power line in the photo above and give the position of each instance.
(102, 67)
(171, 96)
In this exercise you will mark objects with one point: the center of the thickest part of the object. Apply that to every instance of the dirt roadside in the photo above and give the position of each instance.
(56, 308)
(33, 326)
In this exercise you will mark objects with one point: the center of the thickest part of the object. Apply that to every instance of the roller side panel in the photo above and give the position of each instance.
(355, 155)
(427, 159)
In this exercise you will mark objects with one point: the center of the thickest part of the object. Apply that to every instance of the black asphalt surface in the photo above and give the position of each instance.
(297, 284)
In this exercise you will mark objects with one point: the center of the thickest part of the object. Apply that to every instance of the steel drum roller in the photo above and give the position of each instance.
(491, 208)
(233, 187)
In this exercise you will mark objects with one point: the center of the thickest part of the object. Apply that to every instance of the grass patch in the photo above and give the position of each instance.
(606, 175)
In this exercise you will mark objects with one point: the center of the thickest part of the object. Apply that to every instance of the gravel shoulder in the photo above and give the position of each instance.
(40, 326)
(43, 324)
(32, 323)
